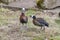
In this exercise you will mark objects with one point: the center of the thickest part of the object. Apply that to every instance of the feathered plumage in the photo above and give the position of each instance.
(39, 22)
(23, 18)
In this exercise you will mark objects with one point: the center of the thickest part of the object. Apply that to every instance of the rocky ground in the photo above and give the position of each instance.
(11, 28)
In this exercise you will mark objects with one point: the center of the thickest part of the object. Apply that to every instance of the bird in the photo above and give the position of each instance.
(39, 22)
(23, 18)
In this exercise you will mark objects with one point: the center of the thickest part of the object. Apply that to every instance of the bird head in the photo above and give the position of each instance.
(23, 10)
(33, 16)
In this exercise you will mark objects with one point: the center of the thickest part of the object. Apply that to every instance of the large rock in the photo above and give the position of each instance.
(51, 3)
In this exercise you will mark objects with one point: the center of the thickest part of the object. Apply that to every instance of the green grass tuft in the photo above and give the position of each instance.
(57, 37)
(30, 12)
(38, 38)
(57, 21)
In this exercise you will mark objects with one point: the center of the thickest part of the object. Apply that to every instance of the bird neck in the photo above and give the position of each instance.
(34, 18)
(23, 14)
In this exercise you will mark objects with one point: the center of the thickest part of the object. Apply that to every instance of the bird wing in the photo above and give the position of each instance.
(36, 23)
(25, 18)
(42, 21)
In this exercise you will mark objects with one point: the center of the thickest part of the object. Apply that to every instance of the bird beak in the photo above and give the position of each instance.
(31, 16)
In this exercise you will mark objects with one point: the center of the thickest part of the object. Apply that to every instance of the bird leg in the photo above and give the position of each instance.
(22, 31)
(42, 28)
(25, 27)
(21, 27)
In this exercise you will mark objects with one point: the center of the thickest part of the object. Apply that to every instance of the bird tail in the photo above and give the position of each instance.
(47, 25)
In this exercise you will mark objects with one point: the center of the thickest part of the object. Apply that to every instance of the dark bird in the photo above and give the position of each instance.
(23, 18)
(39, 22)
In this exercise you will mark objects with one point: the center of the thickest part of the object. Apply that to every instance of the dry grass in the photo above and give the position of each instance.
(11, 18)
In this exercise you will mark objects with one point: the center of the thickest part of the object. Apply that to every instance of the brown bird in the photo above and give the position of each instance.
(39, 22)
(23, 18)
